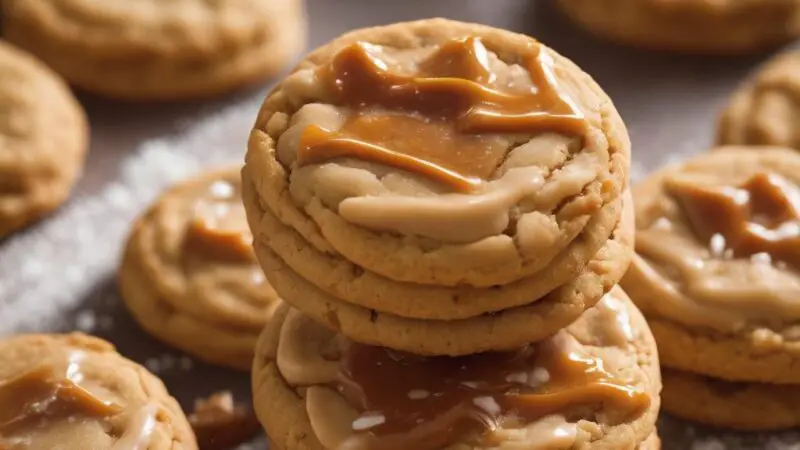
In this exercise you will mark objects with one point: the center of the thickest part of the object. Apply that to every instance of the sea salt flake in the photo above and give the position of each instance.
(488, 404)
(367, 421)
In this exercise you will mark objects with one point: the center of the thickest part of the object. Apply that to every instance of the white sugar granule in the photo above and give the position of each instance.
(51, 269)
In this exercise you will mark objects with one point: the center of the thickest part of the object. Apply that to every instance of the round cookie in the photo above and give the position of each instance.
(155, 50)
(76, 391)
(43, 140)
(298, 361)
(727, 404)
(765, 109)
(690, 26)
(189, 275)
(501, 330)
(717, 243)
(424, 223)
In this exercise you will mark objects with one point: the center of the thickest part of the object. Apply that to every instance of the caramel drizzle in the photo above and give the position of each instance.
(455, 392)
(210, 234)
(37, 394)
(760, 216)
(452, 85)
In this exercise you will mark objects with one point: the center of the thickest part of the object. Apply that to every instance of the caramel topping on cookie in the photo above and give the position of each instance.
(760, 216)
(441, 112)
(427, 403)
(220, 424)
(219, 228)
(43, 394)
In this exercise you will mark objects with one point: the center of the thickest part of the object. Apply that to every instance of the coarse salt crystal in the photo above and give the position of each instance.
(368, 421)
(487, 404)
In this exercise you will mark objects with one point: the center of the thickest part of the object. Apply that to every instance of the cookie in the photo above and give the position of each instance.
(418, 206)
(189, 275)
(764, 110)
(315, 389)
(154, 50)
(718, 243)
(689, 26)
(502, 330)
(651, 443)
(727, 404)
(43, 140)
(76, 391)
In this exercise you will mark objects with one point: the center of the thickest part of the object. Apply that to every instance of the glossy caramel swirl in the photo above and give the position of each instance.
(218, 229)
(43, 394)
(760, 216)
(429, 403)
(437, 116)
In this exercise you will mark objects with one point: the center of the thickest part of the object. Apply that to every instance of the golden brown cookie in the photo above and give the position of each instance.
(43, 140)
(765, 110)
(690, 26)
(509, 328)
(189, 275)
(155, 50)
(718, 244)
(726, 404)
(75, 391)
(482, 199)
(315, 389)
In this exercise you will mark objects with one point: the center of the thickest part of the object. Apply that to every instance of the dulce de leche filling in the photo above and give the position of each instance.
(428, 403)
(41, 394)
(37, 403)
(761, 216)
(218, 229)
(431, 122)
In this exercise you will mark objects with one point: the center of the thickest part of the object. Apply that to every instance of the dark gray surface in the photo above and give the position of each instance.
(668, 102)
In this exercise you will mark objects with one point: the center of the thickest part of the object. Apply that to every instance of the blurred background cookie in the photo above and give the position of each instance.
(766, 108)
(718, 247)
(690, 26)
(43, 139)
(76, 392)
(189, 275)
(155, 50)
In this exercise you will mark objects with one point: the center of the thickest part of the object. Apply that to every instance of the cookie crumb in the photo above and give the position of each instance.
(220, 424)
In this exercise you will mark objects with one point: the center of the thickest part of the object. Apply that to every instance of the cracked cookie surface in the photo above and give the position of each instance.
(416, 223)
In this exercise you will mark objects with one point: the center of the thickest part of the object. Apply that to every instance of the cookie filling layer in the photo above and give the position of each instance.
(418, 141)
(38, 408)
(729, 251)
(365, 397)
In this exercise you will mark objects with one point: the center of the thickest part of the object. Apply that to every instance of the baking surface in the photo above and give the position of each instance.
(59, 274)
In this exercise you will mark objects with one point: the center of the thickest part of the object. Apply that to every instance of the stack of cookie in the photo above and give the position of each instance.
(444, 204)
(718, 248)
